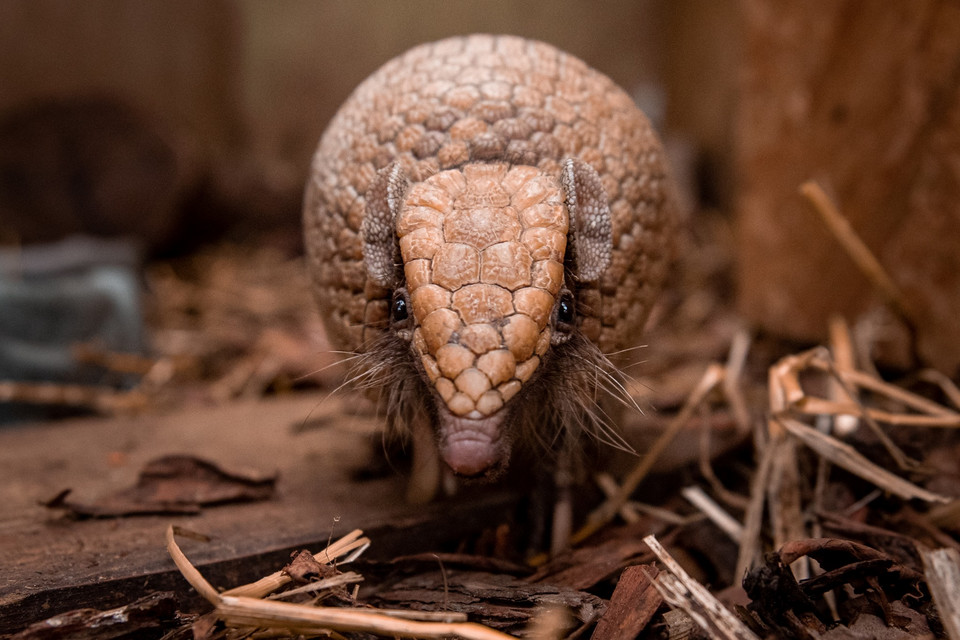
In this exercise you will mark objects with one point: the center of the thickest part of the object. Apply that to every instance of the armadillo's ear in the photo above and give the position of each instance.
(591, 233)
(381, 252)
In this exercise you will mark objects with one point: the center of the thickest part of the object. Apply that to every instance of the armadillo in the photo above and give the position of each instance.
(487, 218)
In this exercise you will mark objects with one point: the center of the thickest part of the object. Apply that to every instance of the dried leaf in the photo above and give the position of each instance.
(304, 568)
(175, 485)
(882, 587)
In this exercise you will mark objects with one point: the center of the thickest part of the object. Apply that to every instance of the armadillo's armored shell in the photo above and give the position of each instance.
(496, 99)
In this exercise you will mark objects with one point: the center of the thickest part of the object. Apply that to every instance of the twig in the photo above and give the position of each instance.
(120, 362)
(194, 577)
(784, 381)
(843, 455)
(862, 502)
(946, 385)
(610, 487)
(911, 400)
(811, 405)
(608, 510)
(632, 509)
(99, 399)
(338, 580)
(424, 616)
(353, 541)
(841, 346)
(861, 255)
(253, 612)
(306, 619)
(731, 498)
(683, 592)
(783, 498)
(727, 523)
(753, 518)
(736, 360)
(785, 375)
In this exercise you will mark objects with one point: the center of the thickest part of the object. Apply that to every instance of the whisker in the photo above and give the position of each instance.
(580, 386)
(342, 352)
(610, 434)
(634, 364)
(324, 368)
(608, 354)
(573, 397)
(611, 384)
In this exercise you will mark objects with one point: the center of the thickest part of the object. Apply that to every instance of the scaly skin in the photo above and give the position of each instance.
(469, 155)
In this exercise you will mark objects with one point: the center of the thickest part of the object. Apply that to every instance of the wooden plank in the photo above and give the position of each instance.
(51, 564)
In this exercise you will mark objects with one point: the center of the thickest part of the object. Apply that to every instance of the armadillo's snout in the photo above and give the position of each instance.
(473, 446)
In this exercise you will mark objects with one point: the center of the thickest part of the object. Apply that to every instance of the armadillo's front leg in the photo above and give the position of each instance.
(425, 472)
(563, 505)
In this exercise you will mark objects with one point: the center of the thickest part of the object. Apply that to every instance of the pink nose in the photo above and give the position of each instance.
(472, 446)
(470, 456)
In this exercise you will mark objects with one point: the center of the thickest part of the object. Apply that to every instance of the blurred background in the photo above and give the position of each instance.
(242, 90)
(153, 156)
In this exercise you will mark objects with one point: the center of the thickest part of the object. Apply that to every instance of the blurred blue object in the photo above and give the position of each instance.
(53, 296)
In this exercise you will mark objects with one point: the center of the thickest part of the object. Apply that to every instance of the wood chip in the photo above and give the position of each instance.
(942, 570)
(632, 605)
(146, 616)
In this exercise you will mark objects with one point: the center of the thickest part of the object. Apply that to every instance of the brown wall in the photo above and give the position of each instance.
(174, 58)
(302, 60)
(864, 97)
(266, 76)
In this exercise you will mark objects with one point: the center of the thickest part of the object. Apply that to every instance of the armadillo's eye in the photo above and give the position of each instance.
(565, 311)
(565, 316)
(400, 310)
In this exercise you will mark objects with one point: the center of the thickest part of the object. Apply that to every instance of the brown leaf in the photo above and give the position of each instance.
(304, 568)
(903, 548)
(868, 581)
(175, 485)
(833, 553)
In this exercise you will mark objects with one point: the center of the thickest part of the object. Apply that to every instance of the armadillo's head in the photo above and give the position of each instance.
(479, 260)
